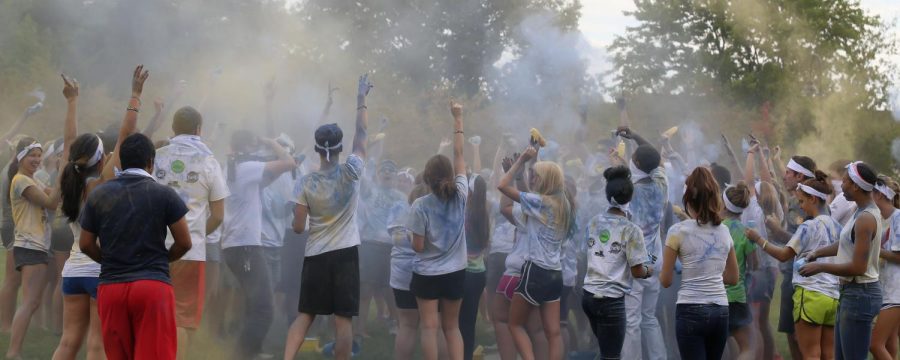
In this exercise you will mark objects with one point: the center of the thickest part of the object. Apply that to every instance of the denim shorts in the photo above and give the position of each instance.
(80, 286)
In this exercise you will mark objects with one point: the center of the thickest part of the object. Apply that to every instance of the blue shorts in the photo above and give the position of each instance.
(80, 286)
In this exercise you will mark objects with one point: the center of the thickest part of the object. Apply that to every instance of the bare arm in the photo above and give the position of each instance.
(327, 110)
(765, 174)
(476, 156)
(506, 183)
(157, 120)
(418, 243)
(731, 155)
(129, 124)
(731, 275)
(459, 161)
(749, 168)
(301, 212)
(42, 199)
(282, 164)
(780, 253)
(87, 242)
(890, 256)
(668, 267)
(362, 117)
(70, 130)
(216, 216)
(864, 231)
(182, 235)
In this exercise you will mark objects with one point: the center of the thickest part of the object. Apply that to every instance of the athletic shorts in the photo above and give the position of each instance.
(405, 299)
(494, 267)
(814, 307)
(118, 303)
(213, 253)
(189, 284)
(889, 306)
(446, 286)
(61, 237)
(762, 285)
(785, 316)
(507, 286)
(738, 315)
(8, 236)
(80, 286)
(538, 285)
(329, 283)
(24, 257)
(375, 258)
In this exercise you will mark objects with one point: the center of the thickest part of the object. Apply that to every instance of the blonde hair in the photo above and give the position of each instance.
(551, 186)
(890, 183)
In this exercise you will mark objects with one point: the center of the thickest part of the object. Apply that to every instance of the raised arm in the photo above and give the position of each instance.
(626, 132)
(506, 185)
(864, 231)
(327, 110)
(731, 155)
(70, 130)
(459, 161)
(129, 123)
(748, 168)
(362, 117)
(283, 162)
(476, 153)
(157, 120)
(765, 173)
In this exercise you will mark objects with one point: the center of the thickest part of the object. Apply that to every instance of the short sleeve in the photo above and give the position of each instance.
(175, 207)
(462, 186)
(531, 204)
(635, 249)
(356, 165)
(799, 239)
(87, 217)
(218, 190)
(894, 244)
(674, 237)
(417, 219)
(20, 183)
(299, 195)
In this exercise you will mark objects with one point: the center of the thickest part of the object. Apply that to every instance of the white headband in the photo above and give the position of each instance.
(793, 165)
(28, 149)
(328, 149)
(809, 190)
(98, 154)
(730, 205)
(758, 187)
(886, 191)
(857, 179)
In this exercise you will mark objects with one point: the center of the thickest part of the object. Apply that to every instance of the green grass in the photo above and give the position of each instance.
(40, 343)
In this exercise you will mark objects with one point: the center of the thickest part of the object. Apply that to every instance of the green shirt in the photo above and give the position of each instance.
(743, 248)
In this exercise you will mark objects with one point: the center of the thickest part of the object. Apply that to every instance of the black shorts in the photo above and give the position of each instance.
(738, 315)
(375, 258)
(23, 257)
(405, 300)
(330, 283)
(8, 236)
(538, 285)
(762, 285)
(495, 266)
(446, 286)
(61, 238)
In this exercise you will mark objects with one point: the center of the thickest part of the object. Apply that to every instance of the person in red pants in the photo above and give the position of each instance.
(130, 215)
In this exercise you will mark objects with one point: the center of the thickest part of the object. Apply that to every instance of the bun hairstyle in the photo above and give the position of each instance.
(438, 175)
(73, 179)
(702, 197)
(820, 183)
(618, 185)
(14, 164)
(739, 194)
(885, 180)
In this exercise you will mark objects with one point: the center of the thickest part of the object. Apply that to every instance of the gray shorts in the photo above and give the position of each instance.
(25, 257)
(213, 253)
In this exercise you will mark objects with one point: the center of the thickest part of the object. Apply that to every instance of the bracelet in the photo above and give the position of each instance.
(459, 132)
(132, 108)
(765, 244)
(361, 107)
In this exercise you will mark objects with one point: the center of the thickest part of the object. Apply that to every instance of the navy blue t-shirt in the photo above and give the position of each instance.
(130, 215)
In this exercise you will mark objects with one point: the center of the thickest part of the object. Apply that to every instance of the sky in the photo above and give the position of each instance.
(602, 20)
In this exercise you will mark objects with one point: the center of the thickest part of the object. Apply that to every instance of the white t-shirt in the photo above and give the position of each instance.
(516, 257)
(442, 223)
(848, 243)
(402, 253)
(243, 209)
(197, 179)
(841, 209)
(277, 210)
(703, 251)
(503, 235)
(79, 264)
(332, 198)
(542, 231)
(890, 272)
(814, 234)
(614, 246)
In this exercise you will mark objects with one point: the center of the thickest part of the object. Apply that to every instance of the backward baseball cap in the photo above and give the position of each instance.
(328, 139)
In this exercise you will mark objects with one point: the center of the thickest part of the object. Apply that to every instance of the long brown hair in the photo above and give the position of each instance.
(702, 197)
(438, 175)
(477, 220)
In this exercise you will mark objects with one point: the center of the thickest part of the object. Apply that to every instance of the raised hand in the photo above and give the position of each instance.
(776, 152)
(754, 147)
(508, 162)
(364, 86)
(158, 105)
(445, 142)
(624, 132)
(475, 140)
(530, 153)
(70, 88)
(455, 109)
(137, 80)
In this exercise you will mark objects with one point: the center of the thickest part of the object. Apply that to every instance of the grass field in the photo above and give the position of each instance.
(40, 343)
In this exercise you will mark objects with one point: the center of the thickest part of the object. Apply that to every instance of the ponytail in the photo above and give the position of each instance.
(72, 183)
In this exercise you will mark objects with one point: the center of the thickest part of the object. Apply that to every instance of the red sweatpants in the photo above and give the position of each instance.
(138, 320)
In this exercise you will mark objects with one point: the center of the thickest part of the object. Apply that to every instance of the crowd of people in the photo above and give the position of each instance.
(131, 245)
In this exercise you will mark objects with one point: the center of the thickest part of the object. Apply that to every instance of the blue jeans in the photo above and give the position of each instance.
(856, 312)
(607, 318)
(701, 330)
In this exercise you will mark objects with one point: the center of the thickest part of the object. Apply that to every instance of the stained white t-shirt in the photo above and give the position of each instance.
(703, 251)
(890, 272)
(277, 210)
(243, 209)
(332, 198)
(79, 264)
(542, 231)
(197, 179)
(615, 244)
(442, 223)
(402, 253)
(812, 235)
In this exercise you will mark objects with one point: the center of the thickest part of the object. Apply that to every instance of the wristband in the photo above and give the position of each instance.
(362, 107)
(765, 244)
(459, 132)
(132, 108)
